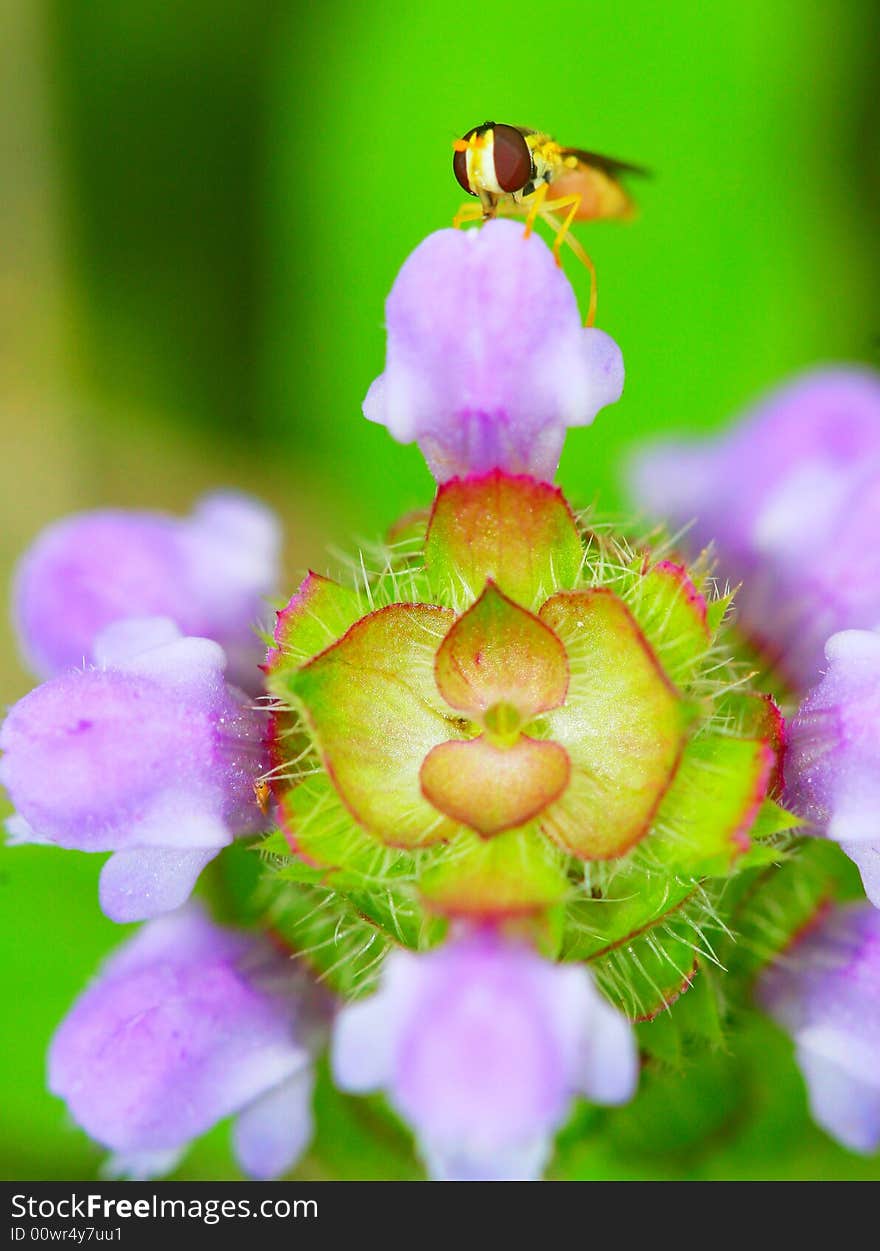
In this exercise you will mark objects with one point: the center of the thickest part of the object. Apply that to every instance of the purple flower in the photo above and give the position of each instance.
(150, 755)
(826, 993)
(481, 1045)
(487, 360)
(792, 498)
(186, 1024)
(209, 573)
(832, 760)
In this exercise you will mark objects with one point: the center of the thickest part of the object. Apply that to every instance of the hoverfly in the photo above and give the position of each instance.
(513, 170)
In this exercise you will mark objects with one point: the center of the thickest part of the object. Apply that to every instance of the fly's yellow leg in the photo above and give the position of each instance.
(534, 201)
(572, 203)
(564, 235)
(469, 212)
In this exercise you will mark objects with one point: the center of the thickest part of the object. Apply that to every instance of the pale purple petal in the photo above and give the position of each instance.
(209, 573)
(233, 549)
(513, 1162)
(598, 1043)
(481, 1046)
(844, 1103)
(825, 991)
(154, 751)
(187, 1024)
(364, 1042)
(474, 1066)
(487, 361)
(140, 1165)
(167, 937)
(123, 642)
(610, 1072)
(832, 758)
(791, 498)
(148, 881)
(867, 857)
(674, 480)
(271, 1133)
(20, 834)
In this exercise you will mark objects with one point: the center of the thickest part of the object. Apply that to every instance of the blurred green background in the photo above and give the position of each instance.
(202, 207)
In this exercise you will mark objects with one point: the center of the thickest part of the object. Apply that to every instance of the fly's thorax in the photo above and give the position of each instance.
(545, 166)
(544, 163)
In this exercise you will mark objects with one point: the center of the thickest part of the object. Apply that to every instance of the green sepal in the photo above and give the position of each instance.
(343, 943)
(674, 617)
(622, 726)
(773, 819)
(326, 932)
(772, 836)
(769, 906)
(615, 913)
(320, 834)
(704, 822)
(642, 936)
(750, 714)
(717, 610)
(372, 704)
(512, 529)
(491, 789)
(322, 845)
(318, 614)
(513, 874)
(498, 652)
(400, 917)
(649, 976)
(693, 1024)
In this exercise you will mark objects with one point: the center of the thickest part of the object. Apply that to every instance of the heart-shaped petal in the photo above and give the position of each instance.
(513, 529)
(494, 788)
(499, 654)
(621, 725)
(372, 704)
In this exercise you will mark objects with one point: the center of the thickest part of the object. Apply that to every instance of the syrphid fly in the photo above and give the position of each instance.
(514, 170)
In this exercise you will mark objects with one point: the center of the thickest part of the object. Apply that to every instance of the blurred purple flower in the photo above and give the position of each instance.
(209, 573)
(487, 360)
(186, 1024)
(481, 1045)
(825, 992)
(832, 759)
(791, 497)
(150, 755)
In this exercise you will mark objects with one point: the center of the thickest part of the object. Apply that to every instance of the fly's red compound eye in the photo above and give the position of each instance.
(459, 165)
(513, 160)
